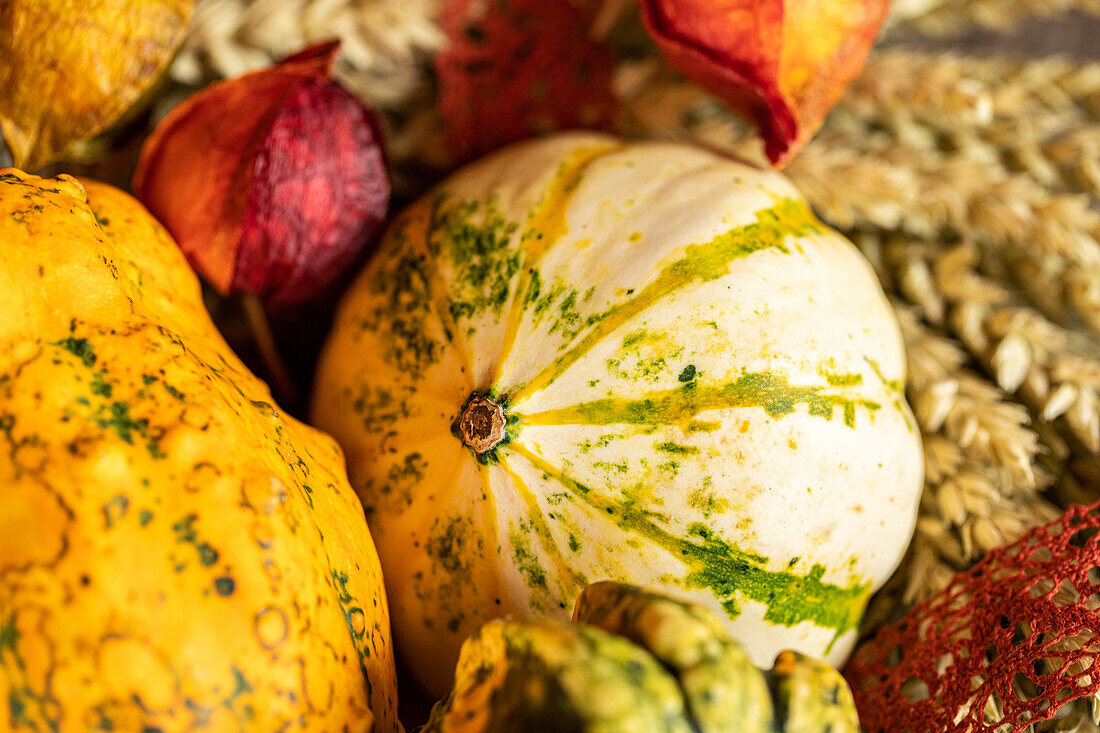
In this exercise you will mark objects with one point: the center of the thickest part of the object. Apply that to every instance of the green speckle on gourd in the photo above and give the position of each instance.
(115, 510)
(525, 559)
(80, 348)
(186, 533)
(706, 501)
(446, 545)
(476, 240)
(100, 385)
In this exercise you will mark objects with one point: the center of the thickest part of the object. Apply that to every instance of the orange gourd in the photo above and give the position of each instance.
(175, 552)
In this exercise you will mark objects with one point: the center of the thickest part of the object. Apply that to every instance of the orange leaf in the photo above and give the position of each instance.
(70, 68)
(783, 63)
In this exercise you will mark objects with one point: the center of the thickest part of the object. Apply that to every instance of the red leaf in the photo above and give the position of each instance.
(272, 182)
(783, 63)
(517, 68)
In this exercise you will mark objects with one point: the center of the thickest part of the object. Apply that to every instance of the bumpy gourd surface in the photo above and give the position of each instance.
(175, 553)
(810, 696)
(634, 660)
(723, 691)
(542, 675)
(702, 386)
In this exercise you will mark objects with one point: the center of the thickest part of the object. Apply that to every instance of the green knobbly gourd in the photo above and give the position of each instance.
(722, 689)
(634, 660)
(542, 675)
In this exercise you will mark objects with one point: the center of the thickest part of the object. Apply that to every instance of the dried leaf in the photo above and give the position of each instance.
(784, 63)
(517, 68)
(273, 182)
(69, 69)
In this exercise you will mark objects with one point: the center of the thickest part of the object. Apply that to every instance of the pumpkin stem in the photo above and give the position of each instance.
(482, 424)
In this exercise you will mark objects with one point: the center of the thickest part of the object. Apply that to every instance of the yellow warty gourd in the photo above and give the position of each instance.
(582, 359)
(175, 553)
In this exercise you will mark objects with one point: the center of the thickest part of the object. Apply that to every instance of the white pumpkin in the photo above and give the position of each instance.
(581, 359)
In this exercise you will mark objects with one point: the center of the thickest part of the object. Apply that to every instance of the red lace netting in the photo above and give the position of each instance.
(1006, 644)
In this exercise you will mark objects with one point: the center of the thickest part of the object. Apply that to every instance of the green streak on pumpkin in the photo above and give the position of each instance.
(561, 304)
(546, 538)
(729, 572)
(897, 386)
(844, 380)
(670, 447)
(791, 599)
(766, 390)
(546, 224)
(700, 263)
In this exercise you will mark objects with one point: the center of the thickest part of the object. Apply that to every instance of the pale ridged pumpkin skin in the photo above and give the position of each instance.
(702, 386)
(175, 553)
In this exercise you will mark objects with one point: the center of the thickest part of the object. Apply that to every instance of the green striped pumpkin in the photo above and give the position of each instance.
(581, 359)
